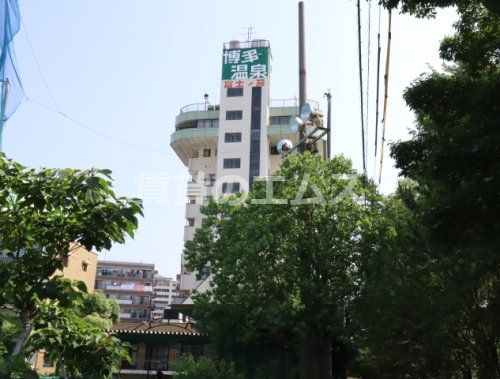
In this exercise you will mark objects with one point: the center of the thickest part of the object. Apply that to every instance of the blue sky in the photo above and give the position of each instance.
(125, 69)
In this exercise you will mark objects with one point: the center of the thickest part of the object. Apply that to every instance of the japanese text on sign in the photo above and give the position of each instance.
(252, 63)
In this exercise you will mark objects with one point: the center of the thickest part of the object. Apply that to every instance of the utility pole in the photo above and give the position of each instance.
(302, 68)
(328, 96)
(4, 95)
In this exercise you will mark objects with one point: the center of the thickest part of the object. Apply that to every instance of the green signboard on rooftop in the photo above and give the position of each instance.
(245, 63)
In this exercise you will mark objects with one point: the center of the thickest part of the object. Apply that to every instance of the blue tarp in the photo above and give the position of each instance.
(10, 21)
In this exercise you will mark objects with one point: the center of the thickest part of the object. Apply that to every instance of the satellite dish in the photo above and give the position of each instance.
(305, 112)
(284, 146)
(295, 124)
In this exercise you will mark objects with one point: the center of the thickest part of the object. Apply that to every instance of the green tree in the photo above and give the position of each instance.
(99, 310)
(44, 213)
(436, 295)
(189, 368)
(402, 329)
(287, 268)
(454, 157)
(428, 8)
(76, 339)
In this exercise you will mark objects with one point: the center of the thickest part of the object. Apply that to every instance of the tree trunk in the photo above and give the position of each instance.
(61, 365)
(21, 339)
(315, 354)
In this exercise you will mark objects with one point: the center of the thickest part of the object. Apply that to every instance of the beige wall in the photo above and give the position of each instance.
(74, 269)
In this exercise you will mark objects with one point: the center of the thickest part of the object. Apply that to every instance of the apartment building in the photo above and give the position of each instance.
(164, 291)
(130, 284)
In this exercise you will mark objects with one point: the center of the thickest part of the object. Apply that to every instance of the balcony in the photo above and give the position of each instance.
(161, 294)
(187, 142)
(192, 211)
(197, 125)
(124, 274)
(123, 301)
(161, 300)
(188, 233)
(126, 287)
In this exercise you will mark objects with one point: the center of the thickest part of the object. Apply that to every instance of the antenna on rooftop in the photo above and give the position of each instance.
(249, 32)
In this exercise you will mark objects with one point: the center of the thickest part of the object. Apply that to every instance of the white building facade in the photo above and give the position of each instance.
(226, 146)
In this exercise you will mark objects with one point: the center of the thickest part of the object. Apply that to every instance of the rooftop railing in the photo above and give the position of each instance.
(197, 107)
(275, 103)
(285, 103)
(246, 44)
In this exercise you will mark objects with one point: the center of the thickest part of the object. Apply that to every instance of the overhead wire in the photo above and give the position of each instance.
(379, 49)
(386, 88)
(368, 78)
(360, 65)
(61, 113)
(81, 124)
(39, 67)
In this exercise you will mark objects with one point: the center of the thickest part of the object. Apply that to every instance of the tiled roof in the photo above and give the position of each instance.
(175, 328)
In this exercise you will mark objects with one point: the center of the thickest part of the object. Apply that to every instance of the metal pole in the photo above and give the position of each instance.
(361, 87)
(302, 66)
(329, 126)
(5, 93)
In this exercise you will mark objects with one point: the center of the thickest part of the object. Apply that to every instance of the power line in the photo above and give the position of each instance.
(386, 87)
(368, 77)
(58, 109)
(360, 64)
(379, 49)
(81, 124)
(39, 67)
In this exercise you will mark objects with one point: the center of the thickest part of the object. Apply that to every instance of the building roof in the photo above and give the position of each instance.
(128, 264)
(159, 328)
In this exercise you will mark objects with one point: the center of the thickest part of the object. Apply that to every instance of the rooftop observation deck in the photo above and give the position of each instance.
(197, 125)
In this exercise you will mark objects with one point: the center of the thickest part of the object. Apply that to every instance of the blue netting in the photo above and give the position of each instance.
(9, 26)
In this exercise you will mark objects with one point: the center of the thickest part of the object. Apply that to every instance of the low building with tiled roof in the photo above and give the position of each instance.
(156, 346)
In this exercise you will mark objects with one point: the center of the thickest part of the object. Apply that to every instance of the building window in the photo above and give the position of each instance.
(190, 221)
(232, 163)
(85, 265)
(209, 180)
(233, 92)
(206, 153)
(230, 187)
(232, 137)
(279, 120)
(274, 150)
(192, 200)
(47, 361)
(205, 272)
(234, 115)
(207, 124)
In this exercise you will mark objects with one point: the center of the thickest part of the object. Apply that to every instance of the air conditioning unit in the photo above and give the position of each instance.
(234, 44)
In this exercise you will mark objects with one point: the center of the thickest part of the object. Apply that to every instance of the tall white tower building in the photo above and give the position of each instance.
(226, 146)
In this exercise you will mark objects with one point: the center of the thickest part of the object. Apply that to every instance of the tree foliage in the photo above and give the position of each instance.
(189, 368)
(79, 345)
(428, 8)
(286, 269)
(45, 215)
(435, 297)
